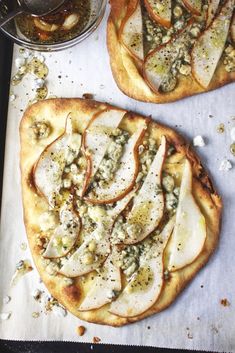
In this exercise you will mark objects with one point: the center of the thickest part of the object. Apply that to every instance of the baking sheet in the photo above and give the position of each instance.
(196, 320)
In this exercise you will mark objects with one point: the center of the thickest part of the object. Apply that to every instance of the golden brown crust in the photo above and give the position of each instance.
(55, 111)
(127, 73)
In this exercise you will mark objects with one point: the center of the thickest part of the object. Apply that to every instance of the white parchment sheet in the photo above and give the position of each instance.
(196, 320)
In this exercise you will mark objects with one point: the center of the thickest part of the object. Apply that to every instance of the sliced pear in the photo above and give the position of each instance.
(107, 282)
(96, 139)
(209, 47)
(211, 12)
(89, 256)
(131, 30)
(145, 285)
(121, 205)
(158, 62)
(49, 169)
(125, 176)
(233, 29)
(148, 204)
(160, 11)
(66, 234)
(194, 6)
(189, 234)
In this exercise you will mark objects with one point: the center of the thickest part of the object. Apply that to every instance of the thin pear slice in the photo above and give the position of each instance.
(96, 247)
(160, 11)
(211, 12)
(145, 285)
(209, 47)
(158, 62)
(107, 282)
(89, 256)
(125, 176)
(233, 29)
(66, 234)
(96, 139)
(131, 30)
(189, 234)
(194, 6)
(49, 169)
(148, 204)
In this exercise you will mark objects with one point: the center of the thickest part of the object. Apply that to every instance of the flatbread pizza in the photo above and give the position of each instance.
(162, 51)
(119, 212)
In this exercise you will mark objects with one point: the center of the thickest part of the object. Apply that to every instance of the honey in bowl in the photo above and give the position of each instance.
(64, 24)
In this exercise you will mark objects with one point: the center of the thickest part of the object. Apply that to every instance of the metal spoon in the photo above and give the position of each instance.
(32, 7)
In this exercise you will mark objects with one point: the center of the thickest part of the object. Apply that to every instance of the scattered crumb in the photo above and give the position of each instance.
(59, 311)
(148, 327)
(198, 141)
(220, 128)
(36, 294)
(5, 316)
(232, 148)
(210, 116)
(87, 96)
(96, 339)
(35, 314)
(22, 268)
(224, 302)
(189, 334)
(23, 246)
(81, 330)
(232, 134)
(214, 329)
(201, 286)
(225, 165)
(6, 299)
(12, 98)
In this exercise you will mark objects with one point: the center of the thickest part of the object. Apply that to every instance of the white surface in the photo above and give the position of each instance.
(85, 69)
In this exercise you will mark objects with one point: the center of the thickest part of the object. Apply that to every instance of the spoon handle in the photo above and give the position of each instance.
(10, 16)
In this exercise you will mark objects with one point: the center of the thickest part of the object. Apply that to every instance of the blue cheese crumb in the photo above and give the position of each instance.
(225, 165)
(198, 141)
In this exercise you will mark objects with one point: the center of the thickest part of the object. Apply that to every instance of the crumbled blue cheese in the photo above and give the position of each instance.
(198, 141)
(5, 316)
(168, 183)
(48, 220)
(19, 62)
(225, 165)
(232, 134)
(6, 299)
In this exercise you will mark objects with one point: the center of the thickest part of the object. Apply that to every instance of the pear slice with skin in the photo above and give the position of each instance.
(106, 283)
(158, 63)
(125, 176)
(194, 6)
(211, 12)
(160, 11)
(145, 285)
(148, 204)
(209, 47)
(89, 256)
(66, 234)
(50, 166)
(233, 29)
(131, 30)
(96, 140)
(189, 234)
(77, 264)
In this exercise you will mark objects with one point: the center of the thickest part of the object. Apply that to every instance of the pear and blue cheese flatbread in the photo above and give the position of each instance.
(163, 51)
(119, 212)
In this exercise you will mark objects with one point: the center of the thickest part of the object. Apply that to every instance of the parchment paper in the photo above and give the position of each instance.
(196, 320)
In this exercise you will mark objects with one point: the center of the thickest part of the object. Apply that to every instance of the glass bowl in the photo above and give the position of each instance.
(12, 32)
